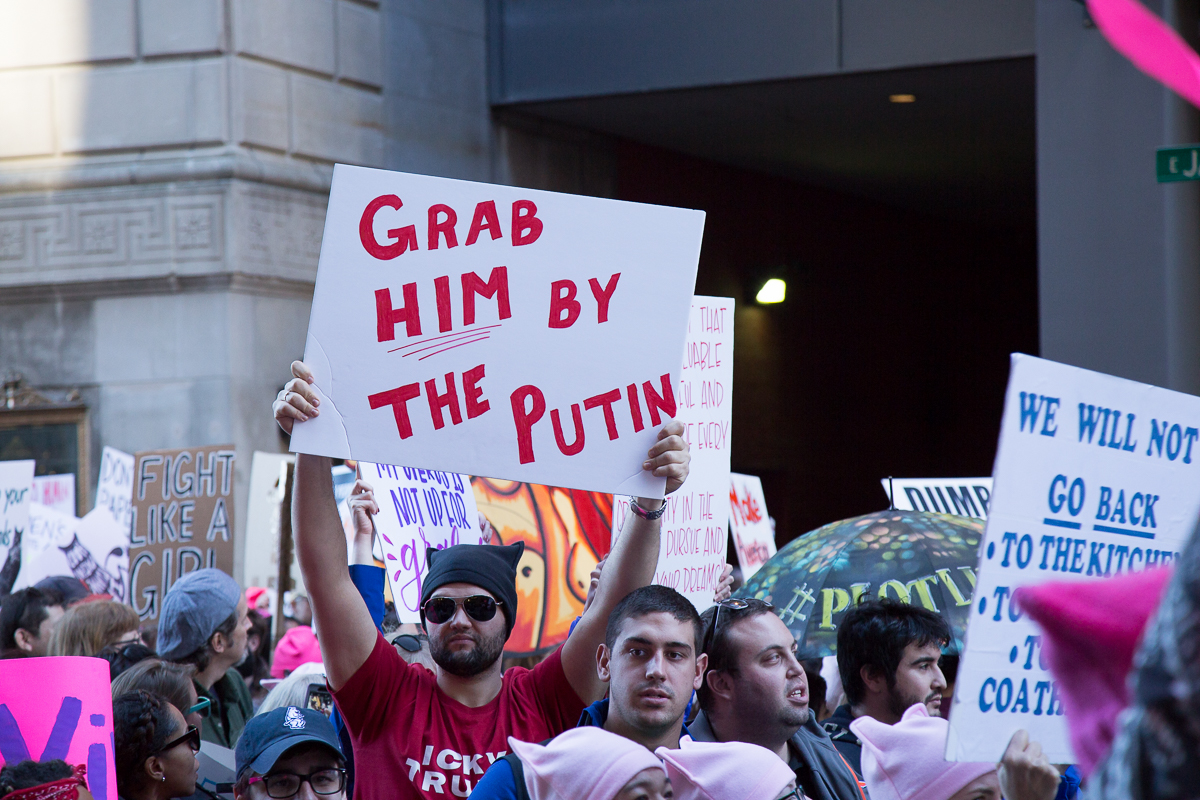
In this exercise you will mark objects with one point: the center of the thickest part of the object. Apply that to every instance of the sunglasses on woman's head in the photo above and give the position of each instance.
(192, 738)
(479, 607)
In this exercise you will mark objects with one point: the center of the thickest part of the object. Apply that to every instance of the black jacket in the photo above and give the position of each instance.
(821, 772)
(838, 729)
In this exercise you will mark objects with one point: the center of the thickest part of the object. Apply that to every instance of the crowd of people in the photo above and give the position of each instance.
(645, 699)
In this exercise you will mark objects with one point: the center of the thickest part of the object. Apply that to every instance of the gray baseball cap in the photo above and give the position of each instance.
(192, 610)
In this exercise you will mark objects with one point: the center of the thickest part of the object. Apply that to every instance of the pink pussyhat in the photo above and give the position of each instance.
(905, 761)
(1092, 629)
(725, 771)
(257, 598)
(581, 764)
(298, 646)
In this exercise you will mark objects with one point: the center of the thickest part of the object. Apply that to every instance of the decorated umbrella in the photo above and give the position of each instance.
(918, 557)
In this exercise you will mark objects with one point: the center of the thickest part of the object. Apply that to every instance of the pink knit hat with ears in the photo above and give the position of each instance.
(905, 761)
(725, 771)
(1092, 629)
(298, 646)
(581, 764)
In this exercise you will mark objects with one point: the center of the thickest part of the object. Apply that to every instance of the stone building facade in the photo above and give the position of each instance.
(164, 167)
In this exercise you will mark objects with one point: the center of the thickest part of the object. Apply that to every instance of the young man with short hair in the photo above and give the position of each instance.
(27, 618)
(289, 753)
(888, 654)
(432, 735)
(651, 663)
(204, 622)
(756, 691)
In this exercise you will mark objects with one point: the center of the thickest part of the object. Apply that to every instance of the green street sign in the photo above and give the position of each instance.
(1178, 163)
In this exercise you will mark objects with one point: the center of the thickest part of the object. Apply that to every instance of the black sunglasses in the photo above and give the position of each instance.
(479, 607)
(733, 604)
(410, 643)
(192, 737)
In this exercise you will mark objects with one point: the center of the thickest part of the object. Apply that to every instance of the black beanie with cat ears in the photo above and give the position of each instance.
(488, 566)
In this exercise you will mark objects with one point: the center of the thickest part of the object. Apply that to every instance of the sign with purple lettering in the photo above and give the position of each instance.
(419, 509)
(59, 708)
(497, 331)
(695, 534)
(1095, 476)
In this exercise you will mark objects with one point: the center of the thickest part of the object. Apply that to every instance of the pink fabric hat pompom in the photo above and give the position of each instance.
(1092, 630)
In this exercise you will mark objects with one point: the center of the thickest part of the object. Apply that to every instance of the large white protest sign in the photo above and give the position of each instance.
(964, 497)
(1095, 476)
(418, 510)
(114, 489)
(497, 331)
(55, 491)
(753, 532)
(695, 533)
(16, 491)
(94, 549)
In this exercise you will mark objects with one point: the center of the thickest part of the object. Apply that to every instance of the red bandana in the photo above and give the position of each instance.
(65, 789)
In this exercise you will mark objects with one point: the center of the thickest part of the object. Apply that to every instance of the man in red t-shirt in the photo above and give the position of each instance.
(422, 734)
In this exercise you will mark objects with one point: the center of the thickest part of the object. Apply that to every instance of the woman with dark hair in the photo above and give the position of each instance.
(155, 748)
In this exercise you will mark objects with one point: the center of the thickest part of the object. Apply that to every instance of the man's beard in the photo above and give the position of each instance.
(898, 703)
(467, 663)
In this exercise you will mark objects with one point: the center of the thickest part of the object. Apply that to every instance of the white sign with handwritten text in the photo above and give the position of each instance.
(1095, 476)
(497, 331)
(695, 536)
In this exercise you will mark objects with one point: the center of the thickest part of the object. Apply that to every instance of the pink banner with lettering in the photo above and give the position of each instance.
(59, 708)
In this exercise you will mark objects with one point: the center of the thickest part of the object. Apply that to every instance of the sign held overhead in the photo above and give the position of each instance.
(1095, 476)
(497, 331)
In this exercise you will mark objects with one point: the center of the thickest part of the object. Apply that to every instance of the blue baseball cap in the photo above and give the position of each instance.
(194, 607)
(268, 736)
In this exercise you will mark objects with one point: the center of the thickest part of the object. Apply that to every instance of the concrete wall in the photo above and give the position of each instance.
(164, 169)
(549, 50)
(1117, 258)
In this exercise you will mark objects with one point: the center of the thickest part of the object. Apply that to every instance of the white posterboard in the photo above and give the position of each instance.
(16, 494)
(55, 491)
(94, 549)
(964, 497)
(418, 510)
(753, 532)
(695, 532)
(1095, 476)
(497, 331)
(114, 489)
(260, 558)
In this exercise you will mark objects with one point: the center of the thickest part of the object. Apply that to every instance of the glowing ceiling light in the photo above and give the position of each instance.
(903, 98)
(773, 291)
